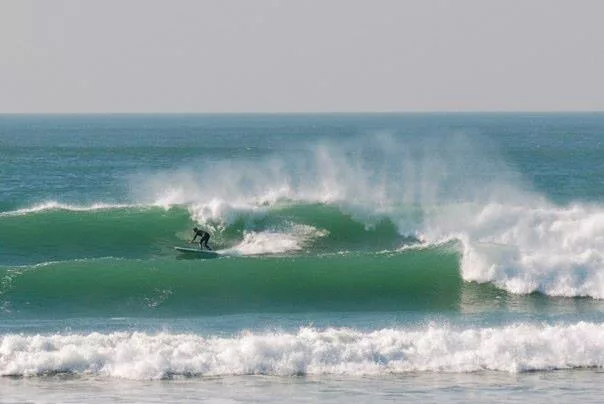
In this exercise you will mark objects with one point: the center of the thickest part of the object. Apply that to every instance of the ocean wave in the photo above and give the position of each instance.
(522, 248)
(509, 235)
(309, 351)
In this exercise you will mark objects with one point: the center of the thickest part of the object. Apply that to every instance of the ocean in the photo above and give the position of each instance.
(362, 257)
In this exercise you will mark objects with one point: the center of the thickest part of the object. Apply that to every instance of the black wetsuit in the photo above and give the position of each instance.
(204, 237)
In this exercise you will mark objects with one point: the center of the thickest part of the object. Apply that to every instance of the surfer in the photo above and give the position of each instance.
(203, 240)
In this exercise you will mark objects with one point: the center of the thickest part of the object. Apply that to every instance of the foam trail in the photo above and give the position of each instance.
(514, 348)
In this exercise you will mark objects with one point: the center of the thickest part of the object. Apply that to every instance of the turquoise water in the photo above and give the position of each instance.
(381, 256)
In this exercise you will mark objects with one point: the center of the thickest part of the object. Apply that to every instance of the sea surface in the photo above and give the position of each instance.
(361, 258)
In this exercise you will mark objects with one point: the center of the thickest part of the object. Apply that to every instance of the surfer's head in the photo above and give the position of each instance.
(195, 229)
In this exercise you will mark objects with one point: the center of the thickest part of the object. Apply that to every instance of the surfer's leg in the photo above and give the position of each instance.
(205, 239)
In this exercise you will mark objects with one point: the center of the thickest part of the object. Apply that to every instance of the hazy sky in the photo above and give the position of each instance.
(300, 56)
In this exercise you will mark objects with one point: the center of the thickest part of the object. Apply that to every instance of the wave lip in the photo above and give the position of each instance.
(513, 348)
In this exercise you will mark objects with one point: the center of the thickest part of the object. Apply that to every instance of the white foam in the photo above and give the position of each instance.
(54, 205)
(295, 238)
(558, 251)
(514, 348)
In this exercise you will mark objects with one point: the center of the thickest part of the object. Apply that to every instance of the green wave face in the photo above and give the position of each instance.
(426, 279)
(59, 235)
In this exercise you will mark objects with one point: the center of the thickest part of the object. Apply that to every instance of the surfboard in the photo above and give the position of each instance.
(198, 252)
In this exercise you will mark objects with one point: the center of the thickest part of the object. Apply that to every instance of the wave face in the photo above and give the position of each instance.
(165, 287)
(137, 355)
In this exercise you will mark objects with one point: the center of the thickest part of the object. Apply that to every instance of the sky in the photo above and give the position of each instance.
(206, 56)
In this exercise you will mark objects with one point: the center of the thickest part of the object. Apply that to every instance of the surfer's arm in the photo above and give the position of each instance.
(194, 237)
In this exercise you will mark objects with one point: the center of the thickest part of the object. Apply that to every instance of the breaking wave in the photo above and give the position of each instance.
(334, 351)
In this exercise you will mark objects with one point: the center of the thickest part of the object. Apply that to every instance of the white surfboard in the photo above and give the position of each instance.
(198, 252)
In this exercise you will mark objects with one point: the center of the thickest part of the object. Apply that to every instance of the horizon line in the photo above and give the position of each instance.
(418, 112)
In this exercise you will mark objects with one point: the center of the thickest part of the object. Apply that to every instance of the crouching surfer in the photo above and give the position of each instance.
(204, 236)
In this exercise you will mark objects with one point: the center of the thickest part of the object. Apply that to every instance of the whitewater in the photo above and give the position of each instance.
(354, 247)
(518, 348)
